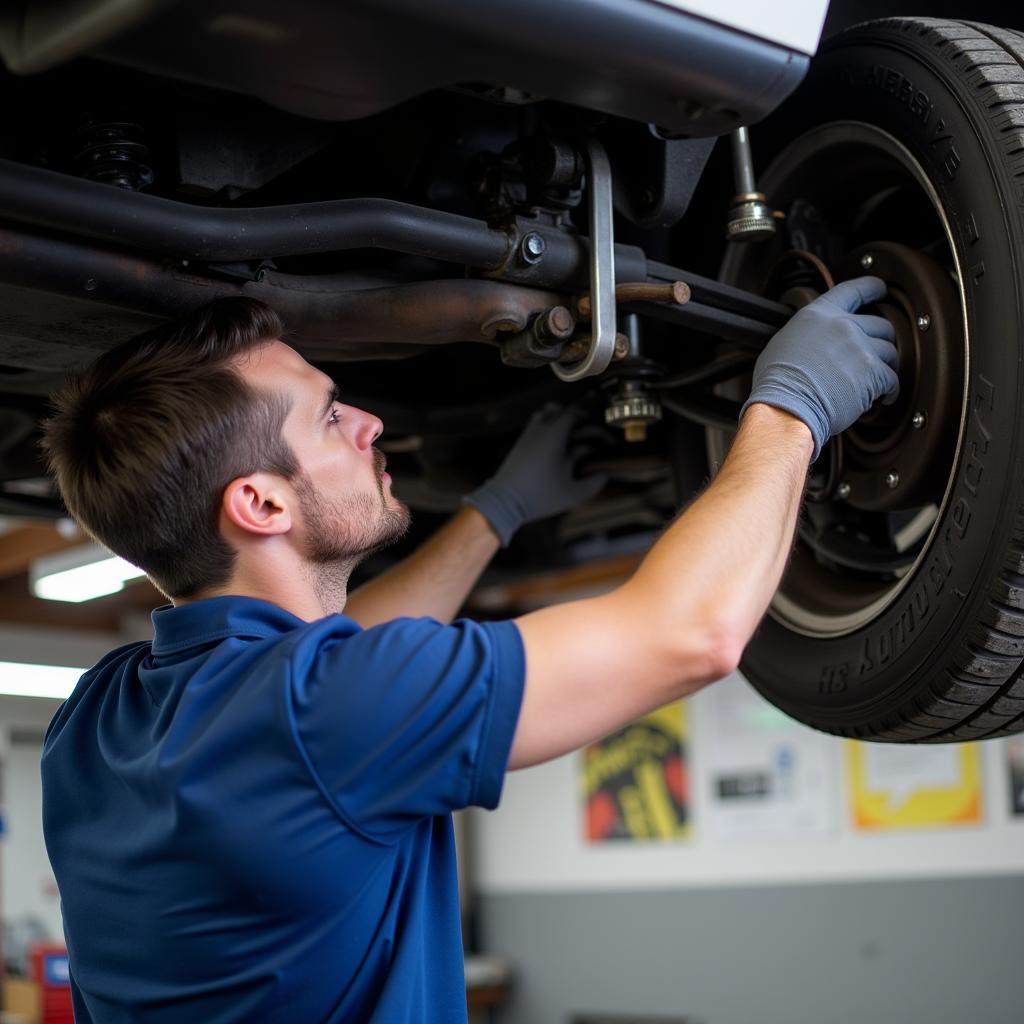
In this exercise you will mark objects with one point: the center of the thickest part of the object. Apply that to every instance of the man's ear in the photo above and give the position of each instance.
(258, 504)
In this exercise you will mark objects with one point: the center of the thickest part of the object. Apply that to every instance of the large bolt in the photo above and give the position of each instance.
(924, 321)
(918, 420)
(533, 247)
(843, 490)
(621, 347)
(892, 480)
(867, 261)
(556, 323)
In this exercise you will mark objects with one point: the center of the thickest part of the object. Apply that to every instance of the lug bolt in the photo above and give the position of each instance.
(892, 480)
(918, 420)
(843, 490)
(533, 247)
(621, 347)
(924, 321)
(867, 261)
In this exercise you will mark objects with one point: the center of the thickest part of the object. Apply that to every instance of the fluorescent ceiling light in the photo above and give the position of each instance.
(80, 574)
(23, 680)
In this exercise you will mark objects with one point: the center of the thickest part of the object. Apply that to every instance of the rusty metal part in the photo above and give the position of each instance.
(678, 293)
(543, 342)
(897, 456)
(324, 313)
(556, 323)
(437, 312)
(577, 348)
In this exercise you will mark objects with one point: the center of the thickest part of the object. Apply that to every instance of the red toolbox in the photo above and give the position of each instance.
(50, 973)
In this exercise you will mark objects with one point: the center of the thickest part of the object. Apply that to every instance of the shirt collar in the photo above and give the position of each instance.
(215, 618)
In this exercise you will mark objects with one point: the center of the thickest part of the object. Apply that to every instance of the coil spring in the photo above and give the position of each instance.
(114, 152)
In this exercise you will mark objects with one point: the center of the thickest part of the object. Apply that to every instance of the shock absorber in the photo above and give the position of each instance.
(750, 218)
(114, 151)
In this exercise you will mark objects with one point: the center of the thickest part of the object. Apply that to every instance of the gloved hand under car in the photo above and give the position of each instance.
(829, 364)
(536, 478)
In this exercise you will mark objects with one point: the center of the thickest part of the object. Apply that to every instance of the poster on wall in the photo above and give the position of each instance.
(635, 780)
(767, 775)
(1015, 764)
(892, 786)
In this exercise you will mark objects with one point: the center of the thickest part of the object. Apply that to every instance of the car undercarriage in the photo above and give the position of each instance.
(463, 216)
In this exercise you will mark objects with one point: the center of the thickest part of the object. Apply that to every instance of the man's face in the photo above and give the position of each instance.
(346, 509)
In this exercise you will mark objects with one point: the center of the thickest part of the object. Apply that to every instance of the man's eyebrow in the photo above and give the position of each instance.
(333, 395)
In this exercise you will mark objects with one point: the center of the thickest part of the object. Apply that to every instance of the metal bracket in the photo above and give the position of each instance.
(602, 272)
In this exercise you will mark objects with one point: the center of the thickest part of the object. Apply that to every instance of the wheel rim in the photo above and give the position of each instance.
(875, 542)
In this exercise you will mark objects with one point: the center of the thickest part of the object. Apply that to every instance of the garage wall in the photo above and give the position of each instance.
(833, 929)
(544, 804)
(29, 888)
(27, 885)
(909, 952)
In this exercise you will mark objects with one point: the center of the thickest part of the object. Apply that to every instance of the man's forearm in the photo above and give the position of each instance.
(732, 545)
(435, 579)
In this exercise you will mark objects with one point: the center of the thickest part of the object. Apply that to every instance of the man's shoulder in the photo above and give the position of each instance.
(397, 638)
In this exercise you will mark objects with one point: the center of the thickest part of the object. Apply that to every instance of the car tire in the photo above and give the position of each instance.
(940, 661)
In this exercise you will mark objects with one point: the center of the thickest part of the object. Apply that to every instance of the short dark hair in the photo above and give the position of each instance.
(143, 443)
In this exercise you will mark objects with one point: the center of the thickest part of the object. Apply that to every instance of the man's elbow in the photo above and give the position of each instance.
(720, 649)
(726, 654)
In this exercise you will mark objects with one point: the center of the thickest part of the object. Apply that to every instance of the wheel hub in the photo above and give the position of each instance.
(897, 456)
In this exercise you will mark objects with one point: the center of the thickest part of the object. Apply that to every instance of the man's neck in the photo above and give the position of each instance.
(306, 598)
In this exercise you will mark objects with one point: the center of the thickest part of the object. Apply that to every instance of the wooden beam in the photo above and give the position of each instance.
(25, 543)
(19, 607)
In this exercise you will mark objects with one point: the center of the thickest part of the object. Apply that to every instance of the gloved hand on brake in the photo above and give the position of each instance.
(536, 479)
(830, 364)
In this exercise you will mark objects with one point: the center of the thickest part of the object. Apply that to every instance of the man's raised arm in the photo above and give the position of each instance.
(685, 616)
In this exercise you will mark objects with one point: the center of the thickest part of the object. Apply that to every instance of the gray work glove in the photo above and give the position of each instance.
(829, 364)
(536, 479)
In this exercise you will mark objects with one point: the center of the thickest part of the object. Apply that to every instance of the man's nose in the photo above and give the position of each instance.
(370, 427)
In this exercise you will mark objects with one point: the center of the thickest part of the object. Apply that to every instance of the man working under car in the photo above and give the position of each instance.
(249, 818)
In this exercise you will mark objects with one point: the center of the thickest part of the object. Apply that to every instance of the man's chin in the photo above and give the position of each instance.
(396, 521)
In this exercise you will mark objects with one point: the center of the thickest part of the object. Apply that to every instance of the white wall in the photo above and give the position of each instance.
(27, 885)
(29, 888)
(534, 840)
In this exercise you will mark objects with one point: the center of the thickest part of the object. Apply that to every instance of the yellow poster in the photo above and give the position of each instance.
(635, 782)
(896, 786)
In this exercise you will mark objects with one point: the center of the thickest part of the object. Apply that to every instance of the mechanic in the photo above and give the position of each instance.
(249, 817)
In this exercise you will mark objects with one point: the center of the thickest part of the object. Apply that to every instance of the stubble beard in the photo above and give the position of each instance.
(341, 534)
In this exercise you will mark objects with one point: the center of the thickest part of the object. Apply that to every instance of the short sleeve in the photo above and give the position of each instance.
(408, 719)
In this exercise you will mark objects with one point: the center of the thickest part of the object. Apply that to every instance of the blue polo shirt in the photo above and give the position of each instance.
(249, 819)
